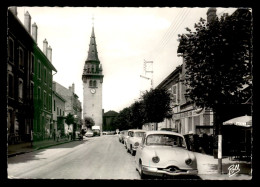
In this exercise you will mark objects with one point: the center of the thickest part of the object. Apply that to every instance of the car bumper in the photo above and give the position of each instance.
(161, 172)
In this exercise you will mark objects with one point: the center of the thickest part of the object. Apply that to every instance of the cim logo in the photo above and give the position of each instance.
(233, 169)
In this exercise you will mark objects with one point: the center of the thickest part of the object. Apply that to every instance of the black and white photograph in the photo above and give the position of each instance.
(129, 93)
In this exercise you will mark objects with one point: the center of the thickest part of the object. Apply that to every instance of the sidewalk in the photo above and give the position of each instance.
(208, 168)
(26, 147)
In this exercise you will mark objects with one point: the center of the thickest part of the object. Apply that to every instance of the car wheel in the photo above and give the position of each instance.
(132, 151)
(142, 175)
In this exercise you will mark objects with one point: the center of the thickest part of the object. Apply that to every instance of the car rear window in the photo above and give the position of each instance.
(138, 134)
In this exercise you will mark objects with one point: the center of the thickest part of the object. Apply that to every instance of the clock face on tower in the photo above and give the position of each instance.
(93, 91)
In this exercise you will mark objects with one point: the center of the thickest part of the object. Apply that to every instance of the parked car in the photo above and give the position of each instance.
(121, 136)
(124, 136)
(164, 153)
(104, 132)
(133, 140)
(89, 133)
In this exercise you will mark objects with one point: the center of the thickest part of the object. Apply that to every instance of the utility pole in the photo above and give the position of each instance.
(148, 68)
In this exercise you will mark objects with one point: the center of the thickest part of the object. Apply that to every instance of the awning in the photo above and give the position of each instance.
(244, 121)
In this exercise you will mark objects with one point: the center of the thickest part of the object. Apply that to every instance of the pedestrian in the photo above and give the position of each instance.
(54, 134)
(58, 135)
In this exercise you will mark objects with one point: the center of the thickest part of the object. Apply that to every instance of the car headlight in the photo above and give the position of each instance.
(155, 159)
(136, 144)
(188, 161)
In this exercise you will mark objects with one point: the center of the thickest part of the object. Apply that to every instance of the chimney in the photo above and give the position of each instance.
(73, 88)
(14, 10)
(45, 44)
(49, 53)
(34, 31)
(211, 14)
(27, 22)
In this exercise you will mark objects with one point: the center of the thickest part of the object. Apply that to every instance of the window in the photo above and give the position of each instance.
(10, 85)
(94, 83)
(57, 110)
(90, 83)
(50, 107)
(11, 50)
(54, 105)
(174, 94)
(45, 74)
(92, 69)
(63, 113)
(60, 112)
(44, 99)
(32, 63)
(21, 59)
(50, 79)
(31, 90)
(20, 89)
(39, 69)
(39, 93)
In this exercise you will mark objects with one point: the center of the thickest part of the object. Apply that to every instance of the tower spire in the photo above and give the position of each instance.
(92, 53)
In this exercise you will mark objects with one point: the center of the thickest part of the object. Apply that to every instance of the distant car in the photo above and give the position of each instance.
(104, 132)
(89, 134)
(164, 153)
(133, 140)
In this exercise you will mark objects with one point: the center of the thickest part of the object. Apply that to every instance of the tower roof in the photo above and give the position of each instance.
(92, 52)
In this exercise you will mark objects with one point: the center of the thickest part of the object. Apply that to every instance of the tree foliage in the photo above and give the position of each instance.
(70, 119)
(153, 106)
(89, 122)
(156, 105)
(218, 59)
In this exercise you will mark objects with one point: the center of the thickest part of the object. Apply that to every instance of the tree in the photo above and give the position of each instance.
(156, 105)
(123, 119)
(218, 59)
(137, 114)
(89, 122)
(70, 119)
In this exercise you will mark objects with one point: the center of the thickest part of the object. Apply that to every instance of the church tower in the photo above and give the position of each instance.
(92, 84)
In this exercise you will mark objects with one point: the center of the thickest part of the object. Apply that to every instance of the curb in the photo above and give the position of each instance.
(38, 148)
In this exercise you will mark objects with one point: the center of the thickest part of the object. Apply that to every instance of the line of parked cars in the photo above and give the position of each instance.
(159, 153)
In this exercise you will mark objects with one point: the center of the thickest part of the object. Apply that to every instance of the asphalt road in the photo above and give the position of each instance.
(93, 158)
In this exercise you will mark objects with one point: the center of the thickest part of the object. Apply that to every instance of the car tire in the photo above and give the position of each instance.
(142, 175)
(132, 151)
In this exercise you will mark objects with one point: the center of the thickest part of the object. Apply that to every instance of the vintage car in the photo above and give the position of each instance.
(164, 153)
(89, 133)
(133, 140)
(120, 136)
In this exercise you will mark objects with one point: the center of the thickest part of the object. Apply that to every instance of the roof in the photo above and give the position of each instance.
(169, 79)
(110, 113)
(92, 52)
(137, 130)
(163, 132)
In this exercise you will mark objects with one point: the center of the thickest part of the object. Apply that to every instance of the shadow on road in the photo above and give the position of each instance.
(181, 177)
(25, 157)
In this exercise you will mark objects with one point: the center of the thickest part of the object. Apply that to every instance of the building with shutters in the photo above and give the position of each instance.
(29, 81)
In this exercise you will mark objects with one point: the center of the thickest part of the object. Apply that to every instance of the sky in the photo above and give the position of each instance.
(125, 37)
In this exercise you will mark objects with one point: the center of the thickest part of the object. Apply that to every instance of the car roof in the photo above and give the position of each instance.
(137, 130)
(163, 132)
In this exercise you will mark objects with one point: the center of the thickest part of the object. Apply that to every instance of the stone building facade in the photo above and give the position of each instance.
(29, 81)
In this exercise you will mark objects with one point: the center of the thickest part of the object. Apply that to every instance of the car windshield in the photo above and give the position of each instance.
(138, 134)
(165, 139)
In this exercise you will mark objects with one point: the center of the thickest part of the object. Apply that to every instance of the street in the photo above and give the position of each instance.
(100, 158)
(93, 158)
